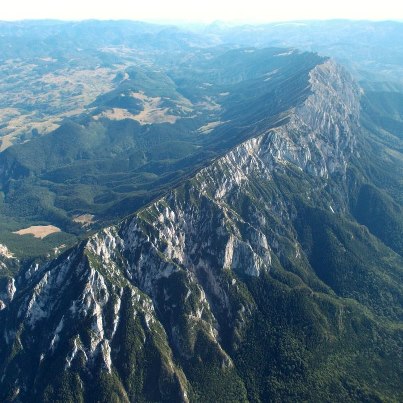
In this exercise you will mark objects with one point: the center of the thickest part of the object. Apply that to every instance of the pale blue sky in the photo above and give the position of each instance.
(202, 10)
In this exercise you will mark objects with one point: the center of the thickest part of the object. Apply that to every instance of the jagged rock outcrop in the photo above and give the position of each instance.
(7, 282)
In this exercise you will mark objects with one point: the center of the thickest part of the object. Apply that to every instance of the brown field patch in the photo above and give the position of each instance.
(84, 219)
(38, 231)
(152, 112)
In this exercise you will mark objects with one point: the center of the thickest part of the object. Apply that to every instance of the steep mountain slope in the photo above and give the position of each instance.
(250, 281)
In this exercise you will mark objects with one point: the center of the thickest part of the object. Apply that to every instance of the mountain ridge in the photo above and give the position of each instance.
(173, 303)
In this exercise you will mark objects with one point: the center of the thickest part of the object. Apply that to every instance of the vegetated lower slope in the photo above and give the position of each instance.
(251, 281)
(155, 127)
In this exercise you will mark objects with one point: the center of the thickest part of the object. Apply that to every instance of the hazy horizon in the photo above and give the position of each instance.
(180, 11)
(201, 23)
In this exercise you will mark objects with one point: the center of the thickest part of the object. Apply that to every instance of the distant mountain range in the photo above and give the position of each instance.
(215, 214)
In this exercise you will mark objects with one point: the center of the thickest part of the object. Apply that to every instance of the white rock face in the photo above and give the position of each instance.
(4, 251)
(7, 292)
(318, 138)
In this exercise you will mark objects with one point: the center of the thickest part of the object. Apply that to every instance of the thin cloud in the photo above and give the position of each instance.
(206, 11)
